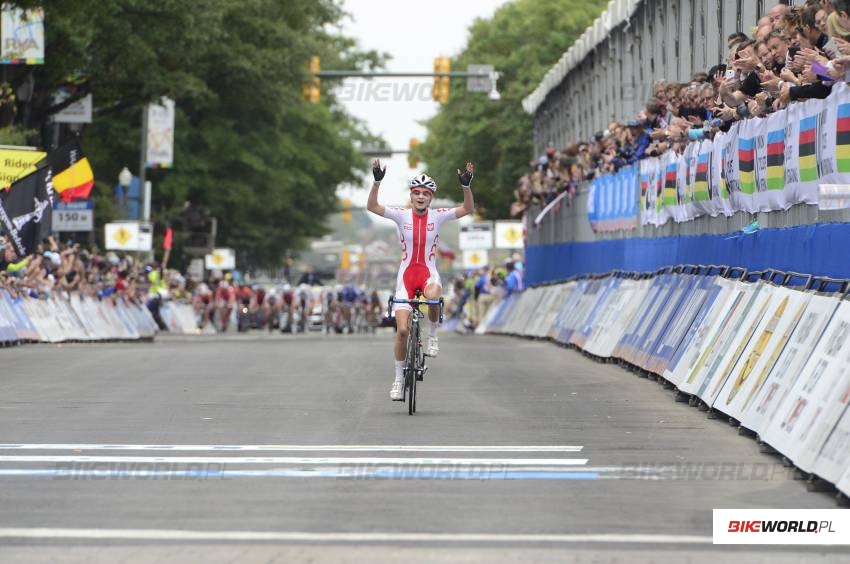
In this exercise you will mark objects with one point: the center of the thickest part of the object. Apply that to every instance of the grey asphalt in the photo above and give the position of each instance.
(260, 389)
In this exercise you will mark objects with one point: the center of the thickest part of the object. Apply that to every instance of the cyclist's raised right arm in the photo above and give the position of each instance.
(378, 174)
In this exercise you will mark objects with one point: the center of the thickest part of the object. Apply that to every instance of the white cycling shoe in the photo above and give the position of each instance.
(433, 347)
(397, 391)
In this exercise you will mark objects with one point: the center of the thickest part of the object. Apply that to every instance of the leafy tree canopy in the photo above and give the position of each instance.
(247, 146)
(522, 40)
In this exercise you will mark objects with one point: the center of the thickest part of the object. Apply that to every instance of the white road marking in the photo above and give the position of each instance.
(297, 448)
(314, 461)
(238, 536)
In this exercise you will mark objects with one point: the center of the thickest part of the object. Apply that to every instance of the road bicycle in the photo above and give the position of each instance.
(414, 360)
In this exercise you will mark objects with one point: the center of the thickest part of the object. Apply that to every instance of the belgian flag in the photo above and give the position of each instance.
(842, 140)
(776, 159)
(808, 149)
(747, 165)
(72, 174)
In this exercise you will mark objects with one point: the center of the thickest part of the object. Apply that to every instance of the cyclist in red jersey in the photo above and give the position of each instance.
(419, 235)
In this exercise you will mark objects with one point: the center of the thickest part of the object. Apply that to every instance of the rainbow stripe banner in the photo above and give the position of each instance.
(747, 165)
(842, 138)
(808, 149)
(701, 191)
(671, 194)
(776, 160)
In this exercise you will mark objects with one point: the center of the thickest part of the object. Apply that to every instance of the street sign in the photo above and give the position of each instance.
(479, 83)
(509, 235)
(475, 259)
(73, 216)
(220, 259)
(128, 236)
(476, 236)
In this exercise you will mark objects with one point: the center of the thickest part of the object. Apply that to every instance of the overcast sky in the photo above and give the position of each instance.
(414, 33)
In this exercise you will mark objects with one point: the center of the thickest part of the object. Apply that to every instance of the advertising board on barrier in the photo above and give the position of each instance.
(716, 339)
(571, 297)
(781, 379)
(819, 381)
(566, 320)
(678, 290)
(607, 289)
(717, 302)
(738, 338)
(626, 348)
(682, 320)
(784, 312)
(618, 313)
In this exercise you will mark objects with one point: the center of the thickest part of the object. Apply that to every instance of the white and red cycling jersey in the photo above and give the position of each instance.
(419, 237)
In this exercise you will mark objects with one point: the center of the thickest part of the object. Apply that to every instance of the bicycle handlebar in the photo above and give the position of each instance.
(414, 303)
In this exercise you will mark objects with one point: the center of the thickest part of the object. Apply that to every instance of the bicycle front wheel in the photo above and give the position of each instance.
(412, 366)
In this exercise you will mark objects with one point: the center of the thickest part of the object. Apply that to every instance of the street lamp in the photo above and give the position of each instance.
(125, 178)
(494, 93)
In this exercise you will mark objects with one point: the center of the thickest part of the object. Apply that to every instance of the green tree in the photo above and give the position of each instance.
(247, 146)
(522, 40)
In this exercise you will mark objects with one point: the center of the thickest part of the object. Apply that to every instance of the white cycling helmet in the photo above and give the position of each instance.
(423, 181)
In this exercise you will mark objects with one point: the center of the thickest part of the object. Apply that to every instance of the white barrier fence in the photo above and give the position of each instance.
(84, 319)
(774, 358)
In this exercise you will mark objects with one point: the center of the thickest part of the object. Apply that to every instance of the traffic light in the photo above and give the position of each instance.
(346, 211)
(440, 92)
(445, 82)
(312, 90)
(412, 159)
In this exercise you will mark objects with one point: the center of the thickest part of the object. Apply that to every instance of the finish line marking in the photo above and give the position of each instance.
(512, 462)
(297, 448)
(430, 473)
(242, 536)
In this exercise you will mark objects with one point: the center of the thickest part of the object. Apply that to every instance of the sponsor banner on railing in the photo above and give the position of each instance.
(613, 201)
(759, 165)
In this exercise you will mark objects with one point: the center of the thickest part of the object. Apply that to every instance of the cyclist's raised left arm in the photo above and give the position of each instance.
(465, 179)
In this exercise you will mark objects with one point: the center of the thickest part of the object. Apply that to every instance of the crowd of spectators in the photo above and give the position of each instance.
(475, 291)
(794, 53)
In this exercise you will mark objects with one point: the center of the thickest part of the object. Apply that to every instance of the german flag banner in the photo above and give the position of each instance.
(72, 174)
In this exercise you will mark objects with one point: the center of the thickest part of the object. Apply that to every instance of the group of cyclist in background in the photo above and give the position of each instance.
(286, 308)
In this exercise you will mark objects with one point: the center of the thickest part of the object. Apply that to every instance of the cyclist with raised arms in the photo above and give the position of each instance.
(418, 229)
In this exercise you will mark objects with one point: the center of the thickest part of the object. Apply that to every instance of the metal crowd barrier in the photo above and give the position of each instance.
(769, 350)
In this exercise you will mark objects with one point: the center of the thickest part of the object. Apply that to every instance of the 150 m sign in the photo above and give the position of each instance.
(73, 216)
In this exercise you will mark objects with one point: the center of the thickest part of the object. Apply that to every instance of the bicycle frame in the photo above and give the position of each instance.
(414, 364)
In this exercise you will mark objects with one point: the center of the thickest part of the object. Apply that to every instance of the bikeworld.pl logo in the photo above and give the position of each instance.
(781, 526)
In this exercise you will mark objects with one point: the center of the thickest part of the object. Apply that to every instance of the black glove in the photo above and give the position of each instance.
(378, 173)
(465, 178)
